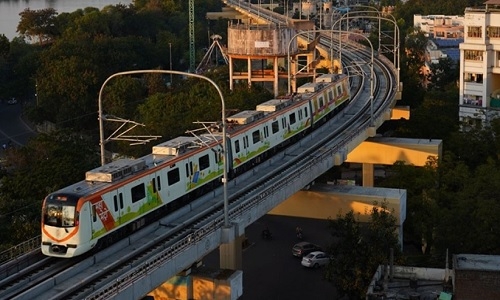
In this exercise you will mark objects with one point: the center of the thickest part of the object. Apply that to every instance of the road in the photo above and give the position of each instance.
(269, 269)
(12, 127)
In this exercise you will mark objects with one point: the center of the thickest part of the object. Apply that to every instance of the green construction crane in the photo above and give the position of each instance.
(191, 37)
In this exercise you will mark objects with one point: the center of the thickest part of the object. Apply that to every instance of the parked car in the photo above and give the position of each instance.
(303, 248)
(12, 101)
(315, 259)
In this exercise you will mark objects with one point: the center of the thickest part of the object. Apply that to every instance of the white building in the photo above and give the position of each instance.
(428, 23)
(480, 64)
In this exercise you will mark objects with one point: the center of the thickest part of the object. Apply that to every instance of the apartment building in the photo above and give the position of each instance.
(440, 26)
(479, 97)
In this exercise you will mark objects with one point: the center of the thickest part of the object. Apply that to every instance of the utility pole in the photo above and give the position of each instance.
(191, 37)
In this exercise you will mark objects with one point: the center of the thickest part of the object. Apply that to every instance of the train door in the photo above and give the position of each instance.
(155, 190)
(118, 205)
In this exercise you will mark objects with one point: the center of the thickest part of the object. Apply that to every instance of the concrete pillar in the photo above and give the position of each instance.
(231, 254)
(231, 70)
(276, 87)
(230, 249)
(368, 175)
(293, 71)
(249, 66)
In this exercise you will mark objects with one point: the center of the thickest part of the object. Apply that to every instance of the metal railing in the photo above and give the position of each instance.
(21, 249)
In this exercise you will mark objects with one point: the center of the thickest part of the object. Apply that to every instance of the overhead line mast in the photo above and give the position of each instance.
(191, 37)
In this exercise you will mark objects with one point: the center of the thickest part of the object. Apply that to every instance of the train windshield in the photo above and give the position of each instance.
(59, 213)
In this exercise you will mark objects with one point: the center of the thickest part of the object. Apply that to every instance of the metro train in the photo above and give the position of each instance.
(118, 197)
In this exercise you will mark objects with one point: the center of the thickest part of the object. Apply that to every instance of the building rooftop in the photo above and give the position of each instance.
(477, 261)
(495, 2)
(410, 283)
(448, 43)
(454, 54)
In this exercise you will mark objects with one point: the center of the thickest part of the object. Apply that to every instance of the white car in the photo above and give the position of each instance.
(315, 259)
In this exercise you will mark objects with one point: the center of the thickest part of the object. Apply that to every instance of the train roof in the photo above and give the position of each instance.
(122, 169)
(247, 118)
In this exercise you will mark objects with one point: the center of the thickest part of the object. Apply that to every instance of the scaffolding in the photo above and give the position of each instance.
(215, 54)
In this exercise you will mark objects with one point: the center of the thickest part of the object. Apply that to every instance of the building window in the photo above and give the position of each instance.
(474, 31)
(473, 55)
(473, 100)
(473, 77)
(493, 31)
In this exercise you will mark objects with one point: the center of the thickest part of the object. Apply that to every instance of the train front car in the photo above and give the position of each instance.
(62, 233)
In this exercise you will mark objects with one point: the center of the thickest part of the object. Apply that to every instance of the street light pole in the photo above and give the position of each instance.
(224, 142)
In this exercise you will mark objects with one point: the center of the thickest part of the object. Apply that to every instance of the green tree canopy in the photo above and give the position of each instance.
(47, 163)
(358, 249)
(38, 24)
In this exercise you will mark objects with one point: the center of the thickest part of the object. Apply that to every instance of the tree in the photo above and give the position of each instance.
(38, 24)
(435, 118)
(358, 249)
(443, 74)
(47, 163)
(4, 46)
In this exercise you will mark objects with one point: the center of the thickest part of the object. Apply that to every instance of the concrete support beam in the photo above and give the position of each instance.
(233, 15)
(386, 151)
(400, 112)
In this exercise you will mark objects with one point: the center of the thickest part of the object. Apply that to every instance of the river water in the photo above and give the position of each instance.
(10, 9)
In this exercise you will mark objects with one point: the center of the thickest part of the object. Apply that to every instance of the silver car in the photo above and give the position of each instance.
(315, 259)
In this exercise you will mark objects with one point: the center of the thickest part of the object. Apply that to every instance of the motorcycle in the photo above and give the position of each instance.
(266, 234)
(298, 232)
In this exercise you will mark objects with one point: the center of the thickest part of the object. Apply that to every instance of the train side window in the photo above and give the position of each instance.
(237, 146)
(255, 136)
(115, 202)
(204, 162)
(94, 214)
(173, 176)
(292, 118)
(121, 200)
(275, 126)
(153, 183)
(158, 182)
(138, 192)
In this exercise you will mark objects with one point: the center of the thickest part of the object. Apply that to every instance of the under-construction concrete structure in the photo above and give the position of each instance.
(260, 53)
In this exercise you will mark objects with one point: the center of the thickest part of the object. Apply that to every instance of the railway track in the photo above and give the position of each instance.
(102, 275)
